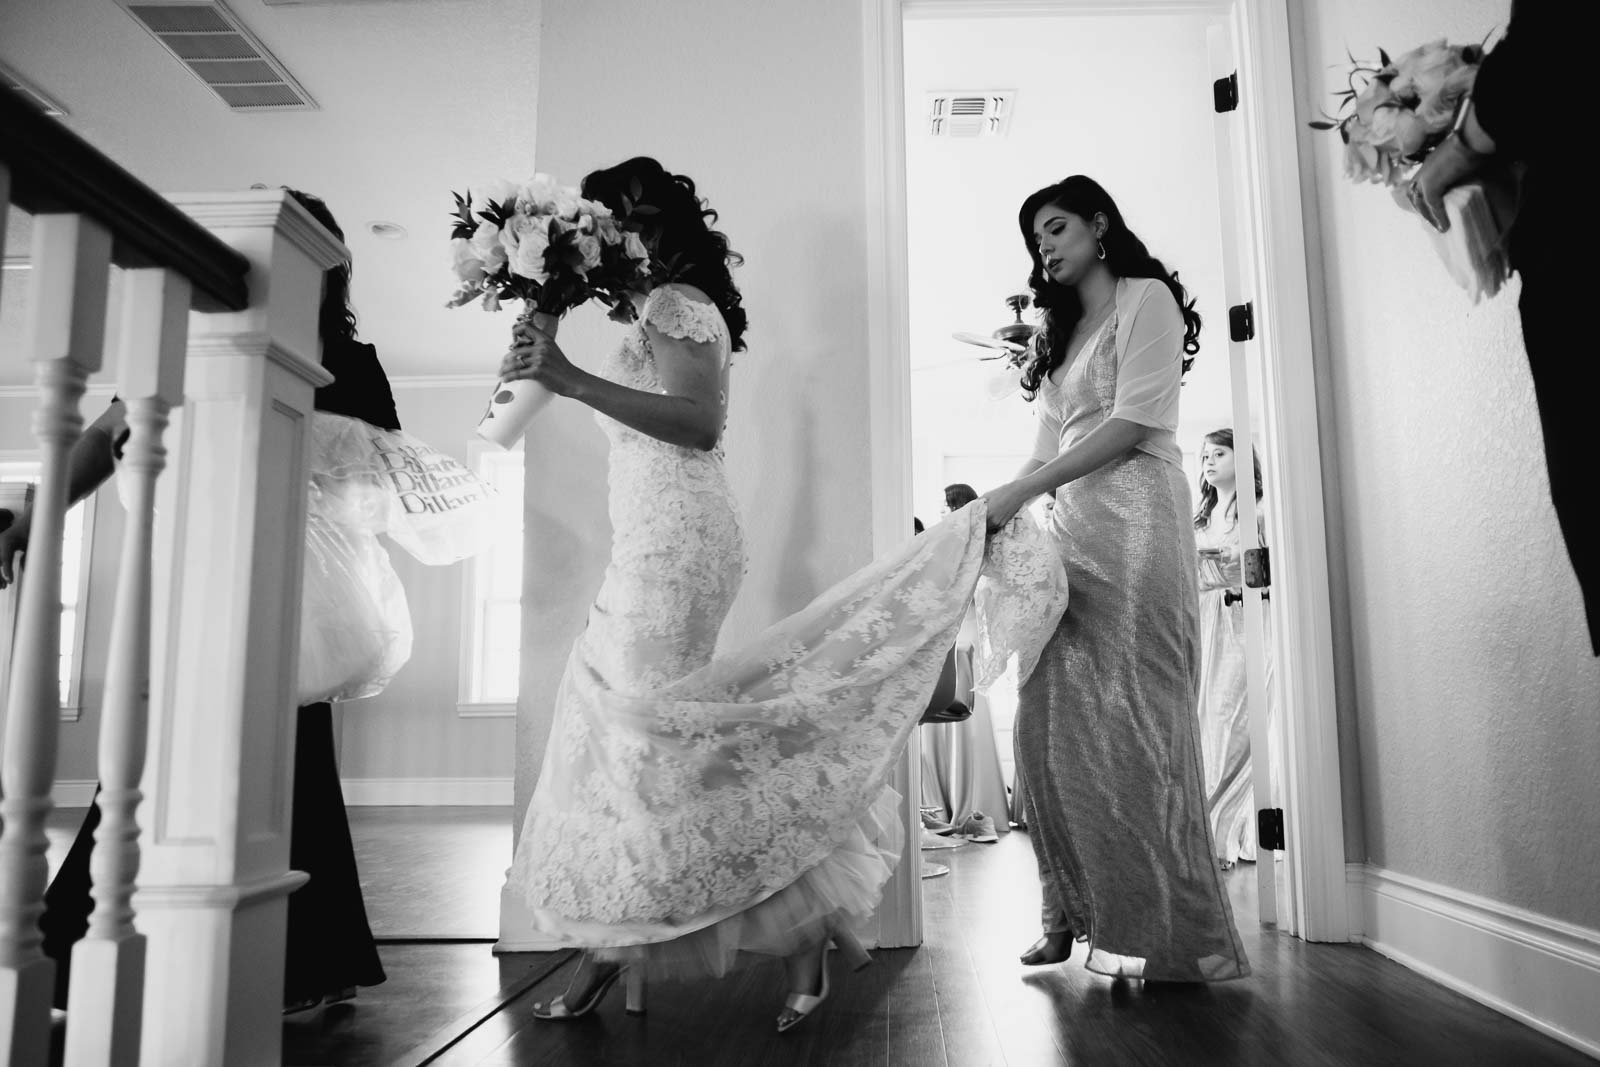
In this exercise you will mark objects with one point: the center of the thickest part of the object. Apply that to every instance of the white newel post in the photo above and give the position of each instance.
(106, 997)
(65, 336)
(214, 872)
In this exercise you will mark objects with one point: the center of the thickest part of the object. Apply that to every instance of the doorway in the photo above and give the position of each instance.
(1042, 78)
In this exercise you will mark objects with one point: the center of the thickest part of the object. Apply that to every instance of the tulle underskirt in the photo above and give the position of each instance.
(842, 890)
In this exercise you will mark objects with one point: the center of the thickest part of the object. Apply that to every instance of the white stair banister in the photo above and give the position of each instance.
(65, 336)
(106, 999)
(214, 865)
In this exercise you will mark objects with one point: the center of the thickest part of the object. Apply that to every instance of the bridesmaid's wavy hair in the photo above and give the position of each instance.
(1059, 305)
(336, 321)
(1208, 492)
(681, 227)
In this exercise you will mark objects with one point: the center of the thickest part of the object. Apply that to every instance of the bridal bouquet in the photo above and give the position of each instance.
(543, 244)
(1397, 111)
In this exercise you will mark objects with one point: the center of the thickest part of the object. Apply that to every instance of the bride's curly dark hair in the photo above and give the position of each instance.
(1126, 256)
(680, 227)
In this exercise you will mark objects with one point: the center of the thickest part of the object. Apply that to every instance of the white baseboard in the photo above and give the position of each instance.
(73, 792)
(1540, 971)
(1355, 904)
(427, 792)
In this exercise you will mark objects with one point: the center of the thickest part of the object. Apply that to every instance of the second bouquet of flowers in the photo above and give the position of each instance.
(543, 244)
(1393, 113)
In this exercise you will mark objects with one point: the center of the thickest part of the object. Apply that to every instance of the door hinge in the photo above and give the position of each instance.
(1269, 829)
(1242, 322)
(1225, 93)
(1257, 568)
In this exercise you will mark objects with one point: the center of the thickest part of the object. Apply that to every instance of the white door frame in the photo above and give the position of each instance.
(1302, 606)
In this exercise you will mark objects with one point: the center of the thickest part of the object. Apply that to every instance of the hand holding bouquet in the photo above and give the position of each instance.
(1397, 114)
(545, 245)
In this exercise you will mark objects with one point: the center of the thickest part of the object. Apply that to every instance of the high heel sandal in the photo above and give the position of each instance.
(557, 1009)
(1039, 954)
(796, 1006)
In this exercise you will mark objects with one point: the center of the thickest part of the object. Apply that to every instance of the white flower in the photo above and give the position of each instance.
(588, 246)
(468, 264)
(486, 244)
(634, 247)
(537, 195)
(525, 239)
(567, 202)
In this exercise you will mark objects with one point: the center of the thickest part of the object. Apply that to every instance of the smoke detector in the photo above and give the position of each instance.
(214, 46)
(978, 113)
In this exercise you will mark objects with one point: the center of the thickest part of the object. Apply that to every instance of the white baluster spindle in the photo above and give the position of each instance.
(106, 999)
(65, 336)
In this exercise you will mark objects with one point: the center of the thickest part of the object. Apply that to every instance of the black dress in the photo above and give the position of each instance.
(1544, 58)
(330, 945)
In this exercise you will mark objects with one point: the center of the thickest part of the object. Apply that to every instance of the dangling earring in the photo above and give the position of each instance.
(1100, 250)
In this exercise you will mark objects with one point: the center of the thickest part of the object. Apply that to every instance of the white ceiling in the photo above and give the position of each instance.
(417, 98)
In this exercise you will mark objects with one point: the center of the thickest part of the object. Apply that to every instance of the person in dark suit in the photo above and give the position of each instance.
(1521, 111)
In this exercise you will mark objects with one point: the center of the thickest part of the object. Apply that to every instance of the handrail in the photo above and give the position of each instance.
(55, 170)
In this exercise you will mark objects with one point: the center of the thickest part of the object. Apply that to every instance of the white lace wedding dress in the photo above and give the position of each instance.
(692, 807)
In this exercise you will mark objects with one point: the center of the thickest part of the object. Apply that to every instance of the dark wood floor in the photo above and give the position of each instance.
(961, 1000)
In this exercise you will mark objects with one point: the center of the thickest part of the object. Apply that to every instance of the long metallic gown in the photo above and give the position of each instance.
(1105, 728)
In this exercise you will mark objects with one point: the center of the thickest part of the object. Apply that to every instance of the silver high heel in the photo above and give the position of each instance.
(796, 1006)
(633, 1001)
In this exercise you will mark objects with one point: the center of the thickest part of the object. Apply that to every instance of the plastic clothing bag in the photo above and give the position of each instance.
(355, 625)
(438, 509)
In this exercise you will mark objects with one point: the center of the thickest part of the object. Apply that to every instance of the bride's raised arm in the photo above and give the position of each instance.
(681, 325)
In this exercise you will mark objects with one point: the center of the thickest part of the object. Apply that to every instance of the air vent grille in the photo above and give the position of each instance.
(979, 113)
(214, 46)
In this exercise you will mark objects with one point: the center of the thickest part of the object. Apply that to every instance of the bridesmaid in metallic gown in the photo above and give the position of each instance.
(1105, 728)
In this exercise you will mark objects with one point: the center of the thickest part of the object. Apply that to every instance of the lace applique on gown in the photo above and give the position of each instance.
(688, 807)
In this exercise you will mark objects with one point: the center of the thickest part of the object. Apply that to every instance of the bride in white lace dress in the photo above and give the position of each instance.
(692, 808)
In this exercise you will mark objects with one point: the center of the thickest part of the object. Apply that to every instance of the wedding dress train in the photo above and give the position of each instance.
(691, 807)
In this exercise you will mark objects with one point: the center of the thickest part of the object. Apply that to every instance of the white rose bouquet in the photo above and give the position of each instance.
(1394, 113)
(1399, 110)
(547, 246)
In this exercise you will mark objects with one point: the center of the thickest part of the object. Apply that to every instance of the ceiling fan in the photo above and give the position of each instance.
(1009, 340)
(1007, 343)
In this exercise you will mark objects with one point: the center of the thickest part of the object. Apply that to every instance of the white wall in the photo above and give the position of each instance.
(1152, 151)
(761, 105)
(413, 730)
(1467, 668)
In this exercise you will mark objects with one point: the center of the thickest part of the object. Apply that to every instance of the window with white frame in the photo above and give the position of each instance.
(491, 644)
(76, 549)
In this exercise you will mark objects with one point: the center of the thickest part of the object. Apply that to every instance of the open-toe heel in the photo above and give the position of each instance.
(558, 1009)
(796, 1006)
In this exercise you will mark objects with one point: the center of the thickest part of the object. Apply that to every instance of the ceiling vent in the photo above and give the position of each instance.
(34, 95)
(211, 42)
(984, 113)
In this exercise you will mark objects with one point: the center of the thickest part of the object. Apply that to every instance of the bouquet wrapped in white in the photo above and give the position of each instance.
(1398, 111)
(544, 244)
